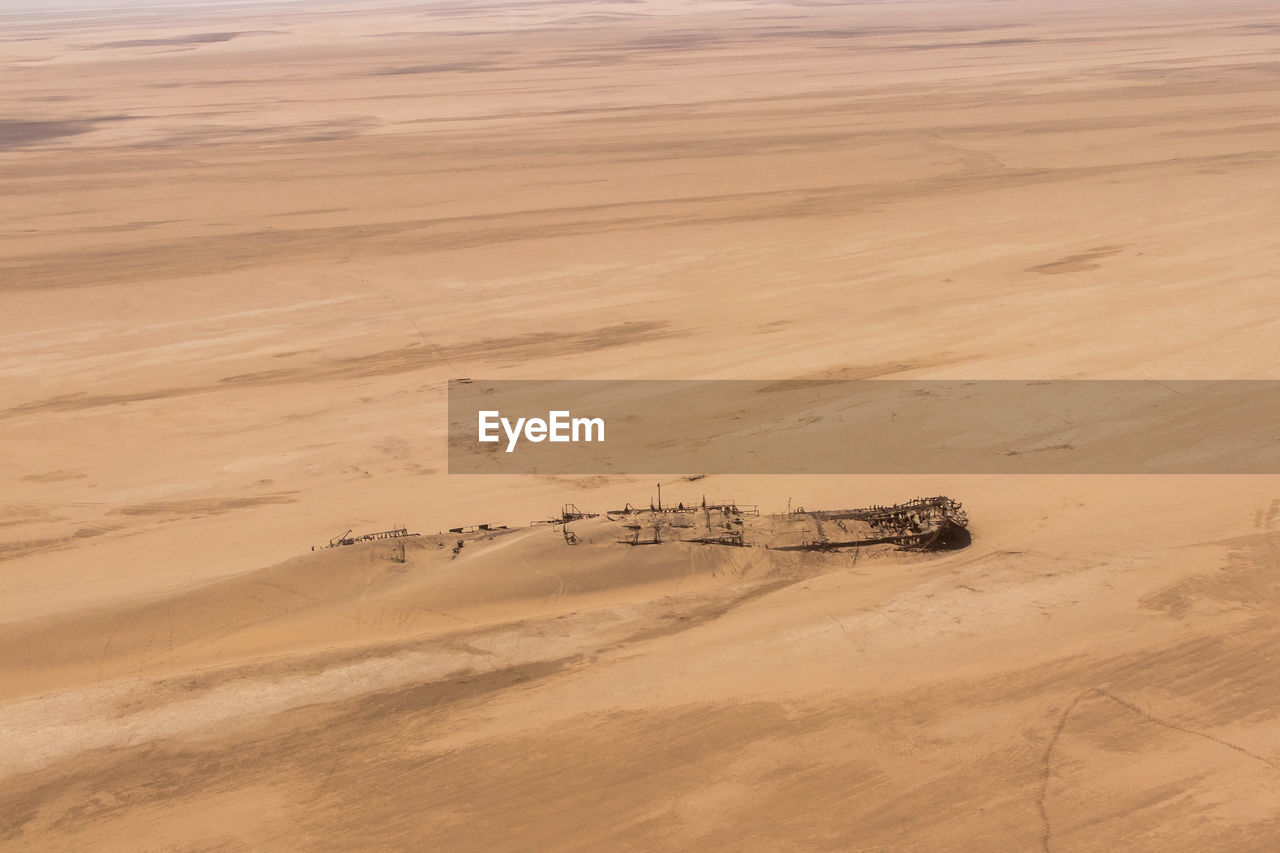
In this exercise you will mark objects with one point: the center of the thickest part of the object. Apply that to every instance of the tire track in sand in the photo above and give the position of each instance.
(1046, 772)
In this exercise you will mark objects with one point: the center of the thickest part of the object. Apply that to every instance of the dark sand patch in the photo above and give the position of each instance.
(204, 506)
(21, 133)
(511, 350)
(28, 547)
(1080, 262)
(20, 514)
(54, 477)
(436, 69)
(174, 41)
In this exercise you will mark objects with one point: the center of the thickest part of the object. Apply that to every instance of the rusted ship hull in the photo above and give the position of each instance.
(924, 524)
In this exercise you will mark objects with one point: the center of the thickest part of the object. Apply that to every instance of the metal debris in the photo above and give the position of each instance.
(348, 539)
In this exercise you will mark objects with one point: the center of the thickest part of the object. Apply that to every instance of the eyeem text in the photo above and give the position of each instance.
(558, 426)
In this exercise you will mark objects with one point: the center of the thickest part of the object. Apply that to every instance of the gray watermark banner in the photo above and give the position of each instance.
(864, 427)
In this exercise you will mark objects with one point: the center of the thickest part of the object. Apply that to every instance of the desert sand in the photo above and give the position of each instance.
(244, 247)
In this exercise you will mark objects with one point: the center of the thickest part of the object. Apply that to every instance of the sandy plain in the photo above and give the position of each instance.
(242, 248)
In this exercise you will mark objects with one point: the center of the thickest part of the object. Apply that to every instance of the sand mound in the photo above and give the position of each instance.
(372, 591)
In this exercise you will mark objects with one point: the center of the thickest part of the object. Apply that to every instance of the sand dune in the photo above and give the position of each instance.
(246, 247)
(366, 593)
(989, 696)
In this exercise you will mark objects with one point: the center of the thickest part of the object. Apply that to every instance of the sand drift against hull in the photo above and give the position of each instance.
(923, 524)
